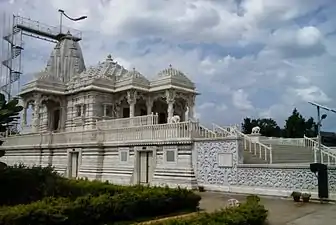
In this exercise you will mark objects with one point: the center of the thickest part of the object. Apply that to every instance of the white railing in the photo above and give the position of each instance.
(128, 122)
(283, 141)
(226, 131)
(203, 132)
(327, 155)
(256, 147)
(156, 132)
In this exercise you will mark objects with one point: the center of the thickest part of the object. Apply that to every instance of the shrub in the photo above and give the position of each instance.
(100, 209)
(22, 185)
(249, 213)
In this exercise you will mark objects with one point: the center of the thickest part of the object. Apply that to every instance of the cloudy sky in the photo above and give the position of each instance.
(256, 58)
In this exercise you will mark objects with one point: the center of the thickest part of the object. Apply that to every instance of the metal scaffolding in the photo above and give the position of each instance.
(14, 28)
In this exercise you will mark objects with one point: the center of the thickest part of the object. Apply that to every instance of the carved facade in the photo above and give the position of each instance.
(68, 97)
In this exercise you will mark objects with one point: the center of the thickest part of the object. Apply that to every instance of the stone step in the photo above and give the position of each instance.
(282, 154)
(250, 158)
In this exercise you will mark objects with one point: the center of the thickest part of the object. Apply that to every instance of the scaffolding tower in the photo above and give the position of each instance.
(14, 28)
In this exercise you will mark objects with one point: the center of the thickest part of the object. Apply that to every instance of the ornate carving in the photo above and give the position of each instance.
(282, 178)
(132, 96)
(170, 96)
(208, 171)
(267, 176)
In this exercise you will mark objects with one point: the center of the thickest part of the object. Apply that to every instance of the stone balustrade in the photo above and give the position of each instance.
(156, 132)
(283, 141)
(128, 122)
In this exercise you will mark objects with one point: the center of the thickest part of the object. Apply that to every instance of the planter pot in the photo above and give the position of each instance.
(296, 198)
(201, 189)
(305, 199)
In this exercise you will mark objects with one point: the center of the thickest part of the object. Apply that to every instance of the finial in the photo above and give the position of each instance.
(109, 57)
(133, 69)
(170, 66)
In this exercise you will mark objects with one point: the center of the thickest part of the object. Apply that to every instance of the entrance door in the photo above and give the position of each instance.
(56, 119)
(73, 165)
(145, 167)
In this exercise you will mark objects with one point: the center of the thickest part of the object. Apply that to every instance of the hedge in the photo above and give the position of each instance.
(102, 209)
(248, 213)
(22, 185)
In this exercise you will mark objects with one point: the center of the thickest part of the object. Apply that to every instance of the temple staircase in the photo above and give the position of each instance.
(262, 150)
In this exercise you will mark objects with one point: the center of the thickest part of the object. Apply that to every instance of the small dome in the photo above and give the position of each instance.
(135, 75)
(107, 69)
(66, 60)
(174, 75)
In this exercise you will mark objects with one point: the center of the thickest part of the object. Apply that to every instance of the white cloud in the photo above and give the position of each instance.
(233, 51)
(240, 100)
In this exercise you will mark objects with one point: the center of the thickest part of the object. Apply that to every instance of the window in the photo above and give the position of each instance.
(84, 110)
(78, 110)
(124, 156)
(170, 156)
(108, 110)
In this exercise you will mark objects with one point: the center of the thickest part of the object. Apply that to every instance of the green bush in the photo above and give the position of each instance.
(105, 208)
(22, 185)
(249, 213)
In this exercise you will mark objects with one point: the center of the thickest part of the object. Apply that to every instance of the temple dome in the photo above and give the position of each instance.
(135, 77)
(107, 69)
(173, 75)
(66, 59)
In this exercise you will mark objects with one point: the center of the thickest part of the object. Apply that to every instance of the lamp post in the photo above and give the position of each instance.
(319, 124)
(62, 13)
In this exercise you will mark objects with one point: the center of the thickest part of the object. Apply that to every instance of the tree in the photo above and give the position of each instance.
(9, 113)
(268, 126)
(297, 126)
(311, 128)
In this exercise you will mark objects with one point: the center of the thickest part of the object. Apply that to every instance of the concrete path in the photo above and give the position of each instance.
(281, 211)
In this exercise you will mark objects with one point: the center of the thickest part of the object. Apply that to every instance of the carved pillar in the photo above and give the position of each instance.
(63, 115)
(24, 115)
(170, 98)
(131, 99)
(36, 116)
(191, 107)
(149, 105)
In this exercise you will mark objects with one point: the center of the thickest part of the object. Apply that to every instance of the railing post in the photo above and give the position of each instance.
(271, 155)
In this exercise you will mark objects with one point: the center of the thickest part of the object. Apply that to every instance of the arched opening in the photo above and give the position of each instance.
(160, 107)
(140, 107)
(180, 107)
(51, 116)
(125, 108)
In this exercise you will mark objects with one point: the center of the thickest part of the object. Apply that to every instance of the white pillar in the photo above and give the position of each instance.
(24, 116)
(131, 99)
(36, 117)
(191, 107)
(149, 105)
(170, 98)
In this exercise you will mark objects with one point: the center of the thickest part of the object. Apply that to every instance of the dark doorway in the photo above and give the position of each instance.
(126, 112)
(143, 112)
(162, 118)
(56, 119)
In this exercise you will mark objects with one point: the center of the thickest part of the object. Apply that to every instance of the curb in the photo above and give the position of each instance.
(169, 218)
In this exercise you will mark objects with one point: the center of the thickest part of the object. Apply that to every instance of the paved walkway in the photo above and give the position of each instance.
(281, 212)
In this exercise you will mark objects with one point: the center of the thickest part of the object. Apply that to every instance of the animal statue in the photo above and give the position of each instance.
(255, 130)
(175, 119)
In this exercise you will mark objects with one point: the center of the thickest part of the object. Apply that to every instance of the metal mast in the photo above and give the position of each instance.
(14, 28)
